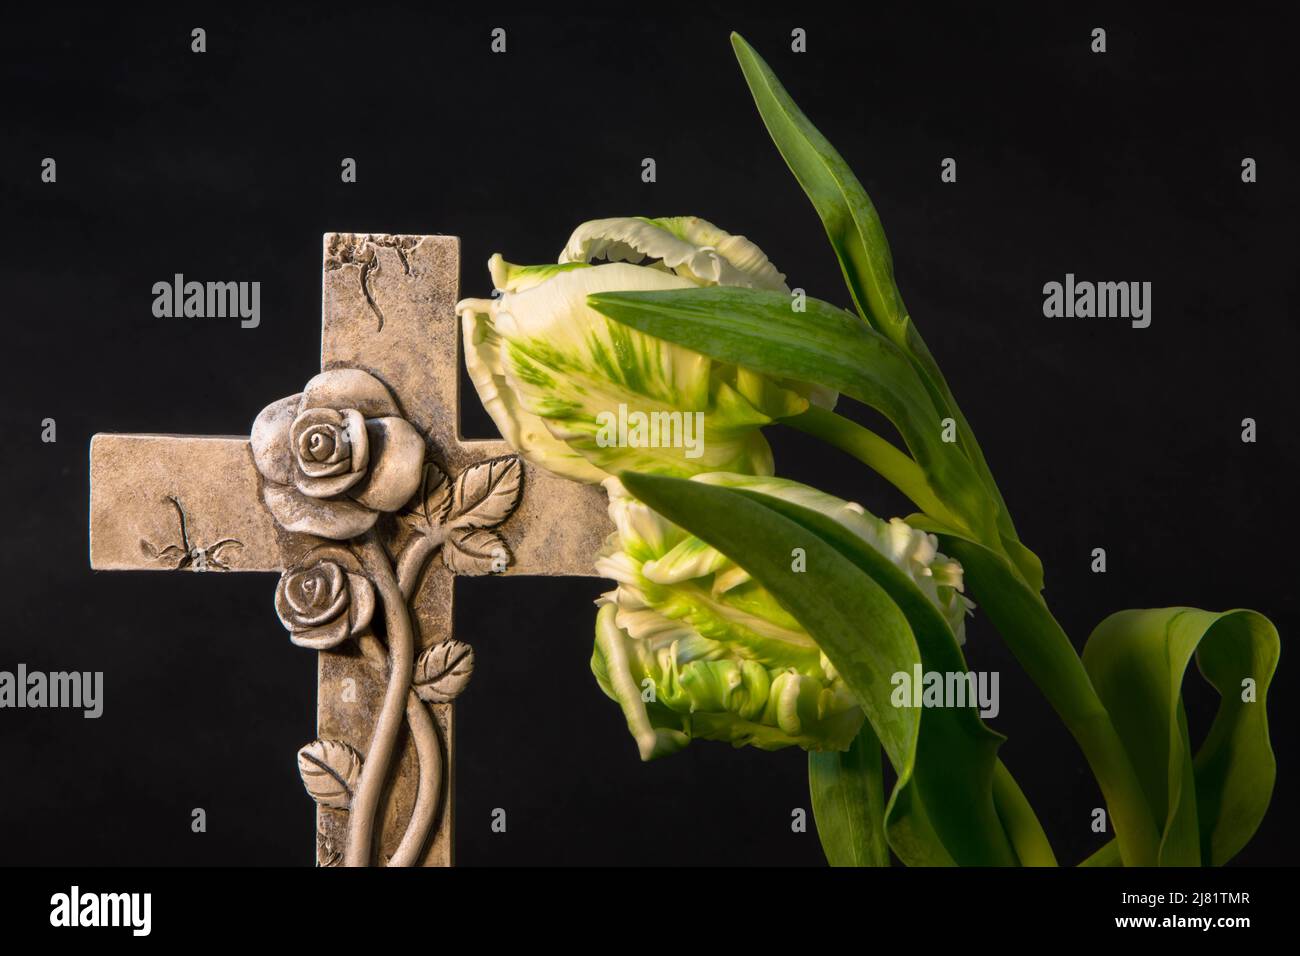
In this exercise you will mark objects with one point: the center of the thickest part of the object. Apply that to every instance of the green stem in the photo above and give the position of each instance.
(1053, 664)
(1137, 837)
(1018, 819)
(1069, 690)
(877, 454)
(1043, 649)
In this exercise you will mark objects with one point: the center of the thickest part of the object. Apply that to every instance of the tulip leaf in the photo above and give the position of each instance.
(1209, 806)
(939, 652)
(822, 345)
(1019, 820)
(858, 239)
(848, 802)
(851, 221)
(872, 623)
(877, 453)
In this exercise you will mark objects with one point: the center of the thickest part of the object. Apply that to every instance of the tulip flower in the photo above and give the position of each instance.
(587, 397)
(690, 646)
(693, 642)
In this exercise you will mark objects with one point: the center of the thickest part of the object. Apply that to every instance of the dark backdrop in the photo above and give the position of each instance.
(1123, 166)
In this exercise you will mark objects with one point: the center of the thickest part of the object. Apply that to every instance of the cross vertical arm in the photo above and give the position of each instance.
(361, 490)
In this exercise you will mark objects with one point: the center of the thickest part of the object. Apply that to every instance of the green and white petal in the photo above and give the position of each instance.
(508, 277)
(699, 251)
(525, 432)
(692, 647)
(670, 695)
(618, 398)
(588, 397)
(914, 551)
(743, 256)
(612, 664)
(691, 558)
(691, 247)
(551, 324)
(639, 531)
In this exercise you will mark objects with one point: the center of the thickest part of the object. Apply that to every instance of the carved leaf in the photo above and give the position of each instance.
(443, 670)
(329, 770)
(485, 494)
(476, 551)
(432, 502)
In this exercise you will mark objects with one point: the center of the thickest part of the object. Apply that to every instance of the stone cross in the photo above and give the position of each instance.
(197, 503)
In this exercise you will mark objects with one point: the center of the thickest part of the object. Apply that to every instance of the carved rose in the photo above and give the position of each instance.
(324, 599)
(336, 455)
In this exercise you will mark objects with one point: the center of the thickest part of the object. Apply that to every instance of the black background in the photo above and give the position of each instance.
(225, 165)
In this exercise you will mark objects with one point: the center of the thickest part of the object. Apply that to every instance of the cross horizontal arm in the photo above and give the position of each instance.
(390, 343)
(559, 525)
(178, 502)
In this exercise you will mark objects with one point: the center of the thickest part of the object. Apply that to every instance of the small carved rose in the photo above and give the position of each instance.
(324, 599)
(336, 455)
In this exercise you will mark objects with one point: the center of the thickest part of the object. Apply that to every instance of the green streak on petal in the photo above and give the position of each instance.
(725, 660)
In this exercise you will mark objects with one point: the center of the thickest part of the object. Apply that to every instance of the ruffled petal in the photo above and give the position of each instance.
(743, 256)
(691, 247)
(614, 673)
(508, 277)
(690, 559)
(524, 431)
(912, 550)
(642, 532)
(621, 399)
(586, 397)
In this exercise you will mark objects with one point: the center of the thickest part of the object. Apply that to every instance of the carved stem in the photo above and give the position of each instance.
(428, 750)
(401, 650)
(424, 727)
(424, 730)
(410, 563)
